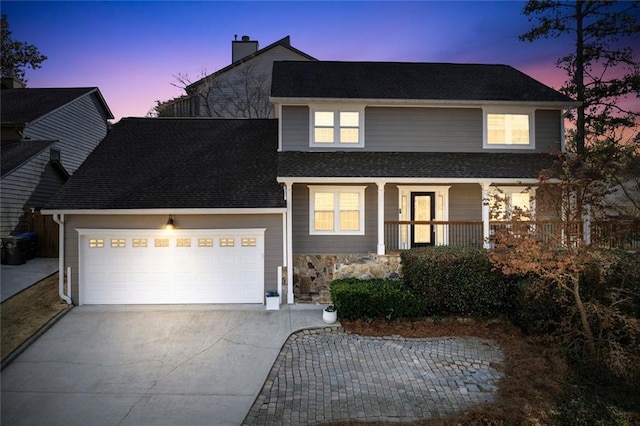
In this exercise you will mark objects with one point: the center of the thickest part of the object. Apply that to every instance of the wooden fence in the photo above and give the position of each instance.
(46, 230)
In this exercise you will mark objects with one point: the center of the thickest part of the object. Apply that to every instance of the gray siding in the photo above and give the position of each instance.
(30, 186)
(243, 91)
(419, 130)
(465, 202)
(304, 243)
(79, 127)
(272, 222)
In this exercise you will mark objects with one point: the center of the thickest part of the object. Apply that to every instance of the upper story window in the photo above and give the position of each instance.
(336, 210)
(508, 129)
(332, 127)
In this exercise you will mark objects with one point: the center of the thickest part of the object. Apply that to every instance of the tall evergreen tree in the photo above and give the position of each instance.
(601, 67)
(17, 55)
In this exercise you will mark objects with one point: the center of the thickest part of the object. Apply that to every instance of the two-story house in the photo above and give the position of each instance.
(363, 159)
(368, 148)
(239, 90)
(46, 134)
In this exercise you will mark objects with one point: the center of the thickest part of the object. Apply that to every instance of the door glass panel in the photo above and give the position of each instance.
(422, 210)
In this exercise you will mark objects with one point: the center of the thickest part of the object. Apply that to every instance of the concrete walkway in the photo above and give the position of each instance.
(15, 278)
(149, 365)
(327, 375)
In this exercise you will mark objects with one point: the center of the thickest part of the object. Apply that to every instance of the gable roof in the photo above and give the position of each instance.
(16, 153)
(284, 42)
(448, 165)
(408, 81)
(154, 163)
(26, 105)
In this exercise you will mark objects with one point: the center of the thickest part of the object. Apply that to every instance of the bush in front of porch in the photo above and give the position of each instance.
(458, 281)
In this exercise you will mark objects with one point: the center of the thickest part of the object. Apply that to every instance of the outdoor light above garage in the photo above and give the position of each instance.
(170, 226)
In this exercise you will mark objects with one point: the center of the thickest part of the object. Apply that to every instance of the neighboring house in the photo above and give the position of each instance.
(361, 155)
(240, 90)
(46, 134)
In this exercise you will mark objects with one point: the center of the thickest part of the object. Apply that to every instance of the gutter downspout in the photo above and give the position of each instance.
(59, 219)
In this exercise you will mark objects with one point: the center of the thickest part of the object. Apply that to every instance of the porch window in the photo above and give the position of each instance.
(508, 129)
(336, 210)
(331, 127)
(507, 201)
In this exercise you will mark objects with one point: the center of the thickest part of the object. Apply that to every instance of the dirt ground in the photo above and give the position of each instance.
(25, 313)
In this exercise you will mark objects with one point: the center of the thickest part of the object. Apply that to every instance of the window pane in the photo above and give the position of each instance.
(520, 201)
(507, 129)
(349, 201)
(323, 221)
(324, 201)
(323, 135)
(349, 119)
(349, 135)
(324, 118)
(349, 220)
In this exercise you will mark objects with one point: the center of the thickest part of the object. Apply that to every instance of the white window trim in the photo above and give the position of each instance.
(313, 189)
(531, 112)
(508, 191)
(336, 109)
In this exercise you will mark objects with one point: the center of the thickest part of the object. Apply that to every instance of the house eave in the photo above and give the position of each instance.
(166, 211)
(405, 180)
(440, 103)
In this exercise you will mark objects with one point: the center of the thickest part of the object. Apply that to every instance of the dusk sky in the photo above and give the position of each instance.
(131, 50)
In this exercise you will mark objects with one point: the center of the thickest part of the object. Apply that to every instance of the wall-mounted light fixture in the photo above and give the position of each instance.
(170, 226)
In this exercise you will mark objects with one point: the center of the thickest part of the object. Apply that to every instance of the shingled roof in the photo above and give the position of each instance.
(408, 81)
(449, 165)
(146, 163)
(16, 153)
(26, 105)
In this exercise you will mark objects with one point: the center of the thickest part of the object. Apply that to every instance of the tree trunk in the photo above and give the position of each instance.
(583, 318)
(578, 78)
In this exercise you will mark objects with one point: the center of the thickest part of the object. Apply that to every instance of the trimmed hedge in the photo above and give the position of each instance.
(376, 298)
(457, 281)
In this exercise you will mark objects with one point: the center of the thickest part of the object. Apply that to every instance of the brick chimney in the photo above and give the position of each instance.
(242, 48)
(11, 82)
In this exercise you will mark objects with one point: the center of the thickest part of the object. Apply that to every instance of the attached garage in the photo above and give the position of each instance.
(128, 266)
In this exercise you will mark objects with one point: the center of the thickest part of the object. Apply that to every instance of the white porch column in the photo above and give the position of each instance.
(586, 228)
(289, 242)
(485, 214)
(381, 248)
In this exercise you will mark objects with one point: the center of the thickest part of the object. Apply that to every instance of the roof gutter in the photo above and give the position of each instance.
(59, 219)
(167, 211)
(442, 103)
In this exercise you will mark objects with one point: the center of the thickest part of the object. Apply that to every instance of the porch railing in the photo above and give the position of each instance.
(402, 235)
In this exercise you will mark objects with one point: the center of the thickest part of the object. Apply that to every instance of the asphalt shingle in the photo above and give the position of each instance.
(408, 81)
(412, 164)
(15, 153)
(178, 163)
(25, 105)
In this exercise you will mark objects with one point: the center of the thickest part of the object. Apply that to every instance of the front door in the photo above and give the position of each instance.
(422, 209)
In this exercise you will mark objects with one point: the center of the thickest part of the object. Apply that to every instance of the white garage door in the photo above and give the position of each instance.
(180, 266)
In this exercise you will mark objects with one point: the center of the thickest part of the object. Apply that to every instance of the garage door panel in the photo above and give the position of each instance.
(216, 267)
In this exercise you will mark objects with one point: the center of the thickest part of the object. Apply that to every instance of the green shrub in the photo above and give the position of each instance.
(376, 298)
(458, 281)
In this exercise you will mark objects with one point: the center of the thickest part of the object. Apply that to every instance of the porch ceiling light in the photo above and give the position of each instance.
(170, 226)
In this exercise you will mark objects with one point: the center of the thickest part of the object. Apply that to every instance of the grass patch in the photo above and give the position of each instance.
(25, 313)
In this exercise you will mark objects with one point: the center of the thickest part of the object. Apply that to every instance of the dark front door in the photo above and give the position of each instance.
(423, 209)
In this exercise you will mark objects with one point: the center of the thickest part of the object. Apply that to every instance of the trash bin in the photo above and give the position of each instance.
(13, 251)
(28, 241)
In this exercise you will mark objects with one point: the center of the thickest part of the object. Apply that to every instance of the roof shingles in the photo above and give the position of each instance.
(408, 81)
(178, 163)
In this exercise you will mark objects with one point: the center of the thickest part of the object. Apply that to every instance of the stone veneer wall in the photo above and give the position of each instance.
(313, 273)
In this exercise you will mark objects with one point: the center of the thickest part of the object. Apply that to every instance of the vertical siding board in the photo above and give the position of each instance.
(79, 127)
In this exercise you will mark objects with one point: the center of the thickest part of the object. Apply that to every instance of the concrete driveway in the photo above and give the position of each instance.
(149, 365)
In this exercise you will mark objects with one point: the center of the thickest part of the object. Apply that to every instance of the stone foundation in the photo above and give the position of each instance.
(313, 273)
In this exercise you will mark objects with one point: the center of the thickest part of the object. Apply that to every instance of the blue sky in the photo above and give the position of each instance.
(132, 49)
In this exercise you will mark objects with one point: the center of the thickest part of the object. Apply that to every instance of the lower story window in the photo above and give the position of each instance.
(336, 210)
(513, 203)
